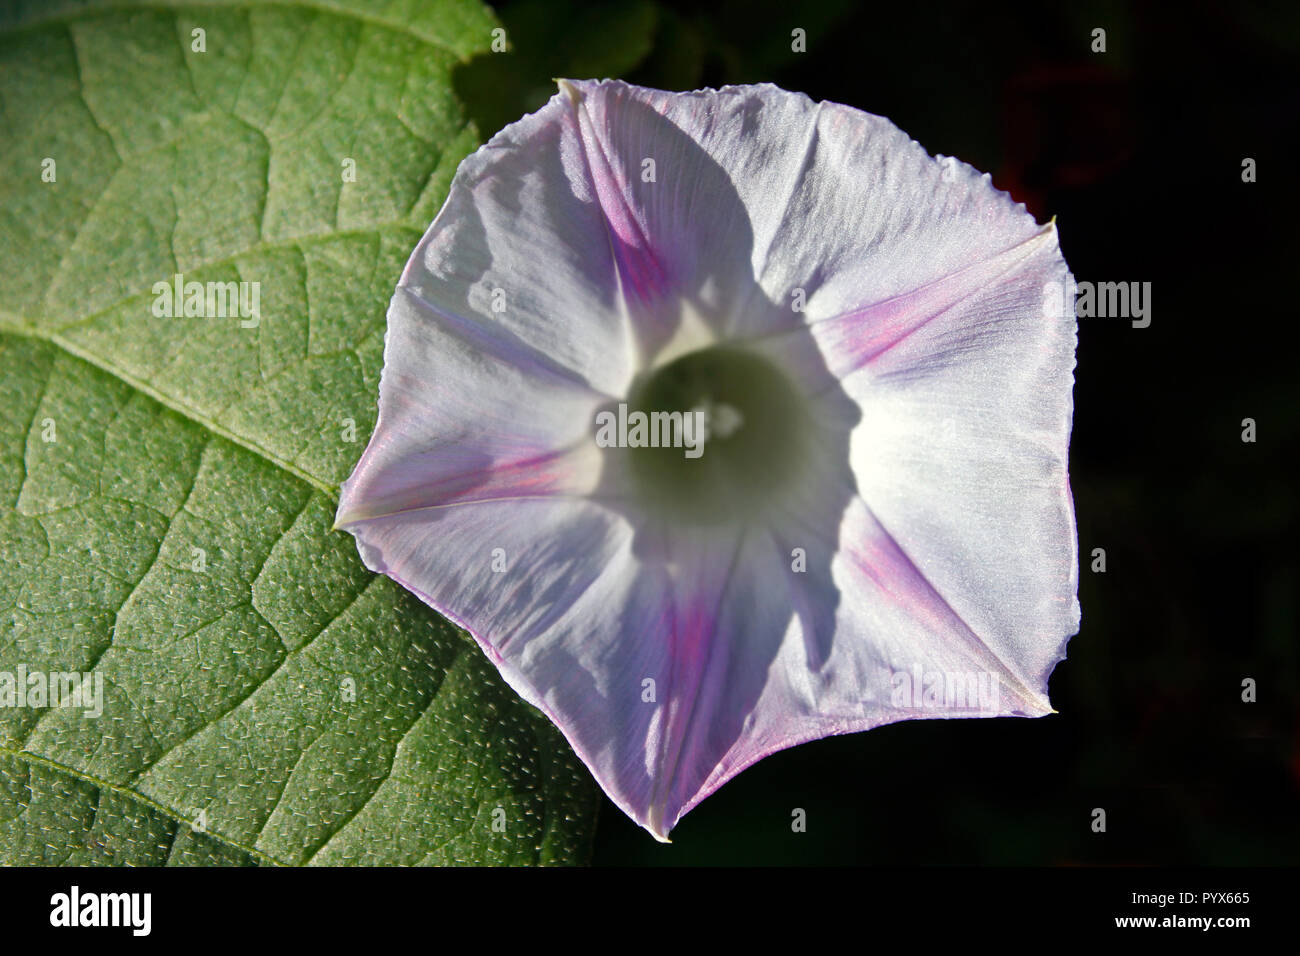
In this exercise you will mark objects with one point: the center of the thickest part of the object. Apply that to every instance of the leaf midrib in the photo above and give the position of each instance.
(34, 759)
(186, 411)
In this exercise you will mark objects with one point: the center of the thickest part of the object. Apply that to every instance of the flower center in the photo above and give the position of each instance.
(741, 439)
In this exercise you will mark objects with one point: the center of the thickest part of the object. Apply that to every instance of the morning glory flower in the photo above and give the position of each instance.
(725, 421)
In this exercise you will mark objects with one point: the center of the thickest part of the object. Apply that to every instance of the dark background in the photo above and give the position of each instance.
(1138, 153)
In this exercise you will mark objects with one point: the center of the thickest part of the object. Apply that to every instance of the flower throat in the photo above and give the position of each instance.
(749, 435)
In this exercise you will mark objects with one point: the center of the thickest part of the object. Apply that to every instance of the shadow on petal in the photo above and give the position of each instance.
(739, 587)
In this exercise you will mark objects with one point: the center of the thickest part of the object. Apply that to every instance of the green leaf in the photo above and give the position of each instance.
(168, 484)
